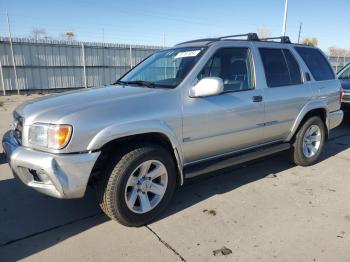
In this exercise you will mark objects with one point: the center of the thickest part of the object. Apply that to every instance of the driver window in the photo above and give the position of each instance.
(234, 66)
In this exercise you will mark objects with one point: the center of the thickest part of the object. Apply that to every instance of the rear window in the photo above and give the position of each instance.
(281, 68)
(316, 62)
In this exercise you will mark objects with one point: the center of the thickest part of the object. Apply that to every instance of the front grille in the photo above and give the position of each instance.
(17, 126)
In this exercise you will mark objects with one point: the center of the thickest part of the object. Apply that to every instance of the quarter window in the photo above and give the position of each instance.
(234, 66)
(316, 62)
(281, 68)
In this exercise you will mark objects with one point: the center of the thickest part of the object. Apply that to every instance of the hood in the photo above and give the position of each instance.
(53, 108)
(345, 84)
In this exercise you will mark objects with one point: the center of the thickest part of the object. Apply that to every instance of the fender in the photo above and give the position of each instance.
(311, 105)
(116, 131)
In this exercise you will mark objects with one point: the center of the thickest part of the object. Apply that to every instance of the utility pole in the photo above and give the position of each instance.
(2, 79)
(285, 18)
(12, 53)
(300, 26)
(163, 40)
(103, 35)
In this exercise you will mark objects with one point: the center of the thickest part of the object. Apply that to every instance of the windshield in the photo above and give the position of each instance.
(164, 69)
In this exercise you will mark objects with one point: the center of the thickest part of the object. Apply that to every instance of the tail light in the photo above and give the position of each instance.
(341, 96)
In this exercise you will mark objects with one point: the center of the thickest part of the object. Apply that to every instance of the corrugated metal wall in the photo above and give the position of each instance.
(49, 64)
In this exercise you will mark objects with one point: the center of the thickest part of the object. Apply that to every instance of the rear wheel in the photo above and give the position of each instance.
(139, 186)
(308, 142)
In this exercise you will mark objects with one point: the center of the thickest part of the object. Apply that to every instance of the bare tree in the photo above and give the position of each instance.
(310, 41)
(263, 32)
(335, 51)
(38, 33)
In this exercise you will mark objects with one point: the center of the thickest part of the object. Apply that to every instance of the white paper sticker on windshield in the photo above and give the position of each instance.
(187, 54)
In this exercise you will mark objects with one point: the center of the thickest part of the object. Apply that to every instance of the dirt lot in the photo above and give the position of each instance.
(268, 210)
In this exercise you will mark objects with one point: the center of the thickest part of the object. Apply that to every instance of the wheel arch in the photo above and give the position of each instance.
(313, 109)
(154, 135)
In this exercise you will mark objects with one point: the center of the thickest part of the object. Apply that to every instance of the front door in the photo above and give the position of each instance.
(231, 121)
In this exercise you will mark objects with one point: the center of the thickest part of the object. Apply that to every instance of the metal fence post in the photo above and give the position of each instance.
(2, 80)
(84, 64)
(12, 54)
(130, 51)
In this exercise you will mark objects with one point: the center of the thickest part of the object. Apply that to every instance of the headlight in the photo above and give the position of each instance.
(50, 136)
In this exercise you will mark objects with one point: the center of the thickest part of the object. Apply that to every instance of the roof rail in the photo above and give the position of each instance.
(250, 36)
(199, 40)
(284, 39)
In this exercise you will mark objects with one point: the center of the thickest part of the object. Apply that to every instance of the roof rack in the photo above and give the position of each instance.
(250, 37)
(284, 39)
(199, 40)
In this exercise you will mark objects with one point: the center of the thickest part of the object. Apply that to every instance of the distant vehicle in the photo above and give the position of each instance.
(344, 76)
(200, 106)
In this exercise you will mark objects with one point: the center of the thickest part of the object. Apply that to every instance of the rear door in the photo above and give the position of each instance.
(323, 81)
(285, 91)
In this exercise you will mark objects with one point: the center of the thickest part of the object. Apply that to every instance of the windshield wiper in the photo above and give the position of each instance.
(141, 83)
(119, 82)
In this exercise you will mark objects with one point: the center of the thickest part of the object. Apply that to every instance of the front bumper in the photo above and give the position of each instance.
(57, 175)
(335, 118)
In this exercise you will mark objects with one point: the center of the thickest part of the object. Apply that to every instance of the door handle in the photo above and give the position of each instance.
(257, 99)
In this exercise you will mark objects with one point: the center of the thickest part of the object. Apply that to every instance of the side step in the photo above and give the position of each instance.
(232, 160)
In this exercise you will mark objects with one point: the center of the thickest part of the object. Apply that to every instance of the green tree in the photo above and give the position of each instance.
(310, 41)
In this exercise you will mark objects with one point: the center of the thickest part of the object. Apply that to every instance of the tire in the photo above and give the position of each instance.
(300, 153)
(114, 189)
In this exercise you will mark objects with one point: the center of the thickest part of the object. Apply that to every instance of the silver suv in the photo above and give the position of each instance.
(200, 106)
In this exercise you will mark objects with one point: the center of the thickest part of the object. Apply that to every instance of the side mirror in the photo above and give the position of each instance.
(209, 86)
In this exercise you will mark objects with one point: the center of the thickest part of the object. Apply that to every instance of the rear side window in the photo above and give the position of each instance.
(316, 62)
(294, 70)
(281, 68)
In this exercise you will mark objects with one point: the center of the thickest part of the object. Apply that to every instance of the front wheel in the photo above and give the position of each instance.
(308, 142)
(140, 185)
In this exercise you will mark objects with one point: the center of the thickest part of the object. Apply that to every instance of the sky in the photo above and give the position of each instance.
(167, 22)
